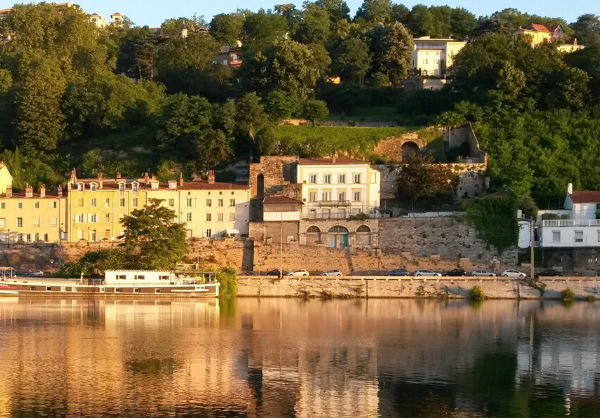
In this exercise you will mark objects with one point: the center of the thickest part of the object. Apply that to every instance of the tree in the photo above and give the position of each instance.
(261, 30)
(314, 26)
(172, 27)
(250, 115)
(391, 47)
(337, 10)
(375, 10)
(153, 241)
(314, 110)
(587, 29)
(420, 178)
(280, 105)
(226, 28)
(400, 13)
(351, 60)
(462, 23)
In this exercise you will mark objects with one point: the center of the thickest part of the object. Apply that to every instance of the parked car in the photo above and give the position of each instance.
(397, 272)
(35, 273)
(455, 272)
(332, 273)
(424, 272)
(549, 273)
(274, 273)
(513, 273)
(482, 273)
(298, 273)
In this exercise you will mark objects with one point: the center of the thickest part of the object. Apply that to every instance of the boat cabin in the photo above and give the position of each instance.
(138, 277)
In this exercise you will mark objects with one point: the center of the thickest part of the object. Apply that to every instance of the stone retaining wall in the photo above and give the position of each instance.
(412, 287)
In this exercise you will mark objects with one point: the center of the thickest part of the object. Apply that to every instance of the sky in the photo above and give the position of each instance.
(154, 12)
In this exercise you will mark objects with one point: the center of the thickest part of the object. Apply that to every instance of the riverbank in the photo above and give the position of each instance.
(416, 287)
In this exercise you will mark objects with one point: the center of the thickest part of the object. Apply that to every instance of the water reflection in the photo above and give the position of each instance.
(287, 357)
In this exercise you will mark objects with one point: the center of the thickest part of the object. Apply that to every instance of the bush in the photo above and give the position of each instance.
(227, 277)
(550, 216)
(477, 294)
(568, 295)
(359, 217)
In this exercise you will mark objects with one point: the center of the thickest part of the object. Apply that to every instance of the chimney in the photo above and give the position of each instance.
(28, 191)
(211, 176)
(364, 158)
(118, 175)
(575, 41)
(146, 178)
(180, 179)
(73, 178)
(570, 188)
(100, 179)
(9, 191)
(60, 190)
(334, 159)
(43, 190)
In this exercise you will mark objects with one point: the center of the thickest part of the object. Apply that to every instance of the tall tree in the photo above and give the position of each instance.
(226, 28)
(263, 29)
(375, 10)
(337, 10)
(587, 29)
(391, 46)
(351, 60)
(314, 26)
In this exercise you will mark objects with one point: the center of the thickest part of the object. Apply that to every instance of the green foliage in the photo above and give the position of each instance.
(280, 105)
(314, 110)
(94, 264)
(153, 241)
(226, 28)
(495, 220)
(420, 178)
(352, 60)
(391, 46)
(550, 216)
(477, 294)
(568, 296)
(528, 206)
(227, 277)
(359, 217)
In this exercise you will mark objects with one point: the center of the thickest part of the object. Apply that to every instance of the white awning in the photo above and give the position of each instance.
(232, 231)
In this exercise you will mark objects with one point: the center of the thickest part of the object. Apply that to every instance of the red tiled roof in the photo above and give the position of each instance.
(21, 195)
(329, 161)
(538, 28)
(204, 185)
(585, 196)
(280, 199)
(188, 185)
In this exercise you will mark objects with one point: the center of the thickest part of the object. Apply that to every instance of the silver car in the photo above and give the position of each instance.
(332, 273)
(298, 273)
(483, 273)
(424, 272)
(513, 273)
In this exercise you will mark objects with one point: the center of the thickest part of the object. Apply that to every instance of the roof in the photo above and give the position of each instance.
(109, 184)
(585, 196)
(538, 28)
(329, 161)
(20, 194)
(272, 200)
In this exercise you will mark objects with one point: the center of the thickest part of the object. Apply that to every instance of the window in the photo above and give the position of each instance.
(220, 203)
(219, 217)
(135, 202)
(326, 196)
(79, 218)
(171, 202)
(80, 202)
(121, 187)
(356, 196)
(107, 202)
(53, 222)
(20, 237)
(19, 205)
(163, 277)
(189, 217)
(312, 179)
(357, 178)
(209, 233)
(2, 222)
(578, 236)
(312, 196)
(93, 202)
(93, 218)
(93, 187)
(54, 205)
(36, 222)
(121, 277)
(208, 203)
(232, 218)
(327, 179)
(3, 205)
(342, 196)
(208, 217)
(342, 179)
(36, 205)
(139, 277)
(36, 236)
(107, 218)
(135, 187)
(122, 202)
(19, 222)
(45, 237)
(231, 203)
(28, 237)
(188, 202)
(80, 187)
(107, 234)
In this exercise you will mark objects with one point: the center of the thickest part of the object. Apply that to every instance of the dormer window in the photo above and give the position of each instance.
(93, 187)
(154, 185)
(172, 185)
(121, 187)
(80, 187)
(135, 186)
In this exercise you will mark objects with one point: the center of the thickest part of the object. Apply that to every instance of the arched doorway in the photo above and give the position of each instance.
(363, 235)
(313, 235)
(260, 186)
(409, 150)
(338, 237)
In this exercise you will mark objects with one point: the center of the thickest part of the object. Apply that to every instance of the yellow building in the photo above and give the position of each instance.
(96, 206)
(31, 217)
(541, 33)
(208, 209)
(5, 178)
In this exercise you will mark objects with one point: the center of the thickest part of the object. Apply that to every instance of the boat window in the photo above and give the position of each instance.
(140, 277)
(156, 290)
(121, 277)
(136, 290)
(48, 288)
(163, 277)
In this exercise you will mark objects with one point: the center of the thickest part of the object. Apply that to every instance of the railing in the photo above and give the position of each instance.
(331, 203)
(570, 222)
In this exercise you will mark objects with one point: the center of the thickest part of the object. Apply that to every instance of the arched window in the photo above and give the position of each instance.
(363, 236)
(93, 187)
(338, 229)
(338, 237)
(409, 150)
(313, 229)
(313, 235)
(80, 186)
(363, 228)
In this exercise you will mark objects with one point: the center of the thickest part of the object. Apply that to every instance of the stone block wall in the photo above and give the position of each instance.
(356, 239)
(271, 232)
(277, 172)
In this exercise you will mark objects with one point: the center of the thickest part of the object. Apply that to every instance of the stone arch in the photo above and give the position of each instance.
(313, 235)
(363, 235)
(409, 150)
(260, 186)
(338, 236)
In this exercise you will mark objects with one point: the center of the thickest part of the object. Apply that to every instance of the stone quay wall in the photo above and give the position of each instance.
(414, 287)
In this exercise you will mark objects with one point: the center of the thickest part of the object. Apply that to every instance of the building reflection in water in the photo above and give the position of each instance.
(287, 357)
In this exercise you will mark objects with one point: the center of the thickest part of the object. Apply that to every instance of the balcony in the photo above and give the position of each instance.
(559, 223)
(331, 203)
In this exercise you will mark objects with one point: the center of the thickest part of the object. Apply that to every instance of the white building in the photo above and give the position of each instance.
(98, 20)
(434, 56)
(338, 187)
(577, 226)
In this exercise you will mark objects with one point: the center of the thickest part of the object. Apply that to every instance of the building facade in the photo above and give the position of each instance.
(434, 56)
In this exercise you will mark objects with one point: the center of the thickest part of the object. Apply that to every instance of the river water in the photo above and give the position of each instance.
(289, 357)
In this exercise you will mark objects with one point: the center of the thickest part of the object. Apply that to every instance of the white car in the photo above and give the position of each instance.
(427, 273)
(483, 273)
(332, 273)
(298, 273)
(513, 273)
